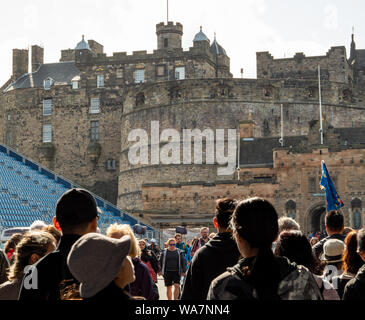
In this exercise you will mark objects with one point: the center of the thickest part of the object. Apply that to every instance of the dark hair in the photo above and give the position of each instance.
(296, 247)
(256, 221)
(223, 211)
(334, 221)
(361, 240)
(12, 242)
(352, 262)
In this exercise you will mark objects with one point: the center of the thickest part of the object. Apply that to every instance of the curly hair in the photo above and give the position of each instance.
(296, 247)
(352, 262)
(37, 242)
(12, 242)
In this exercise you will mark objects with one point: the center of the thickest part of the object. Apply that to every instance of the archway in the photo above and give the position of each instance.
(316, 218)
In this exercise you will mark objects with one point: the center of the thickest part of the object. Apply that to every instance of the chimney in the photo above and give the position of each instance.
(20, 62)
(37, 57)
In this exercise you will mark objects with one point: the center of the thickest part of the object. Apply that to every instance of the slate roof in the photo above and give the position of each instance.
(83, 45)
(216, 48)
(200, 36)
(259, 150)
(352, 135)
(61, 73)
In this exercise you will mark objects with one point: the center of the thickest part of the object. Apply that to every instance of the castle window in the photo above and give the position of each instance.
(139, 76)
(160, 71)
(357, 219)
(100, 81)
(47, 133)
(110, 164)
(47, 83)
(180, 73)
(356, 206)
(267, 91)
(140, 99)
(75, 85)
(165, 42)
(8, 137)
(95, 105)
(312, 185)
(47, 107)
(94, 131)
(119, 73)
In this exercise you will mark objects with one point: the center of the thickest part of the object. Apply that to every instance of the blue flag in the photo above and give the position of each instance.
(334, 201)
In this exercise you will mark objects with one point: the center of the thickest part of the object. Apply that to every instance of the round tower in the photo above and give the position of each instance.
(169, 35)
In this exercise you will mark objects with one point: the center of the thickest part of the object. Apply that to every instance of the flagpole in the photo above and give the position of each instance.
(320, 103)
(281, 140)
(238, 154)
(167, 10)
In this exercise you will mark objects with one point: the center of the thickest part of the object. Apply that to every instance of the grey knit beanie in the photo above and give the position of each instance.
(95, 260)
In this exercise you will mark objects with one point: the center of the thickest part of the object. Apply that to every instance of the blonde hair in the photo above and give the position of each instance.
(32, 242)
(168, 241)
(117, 231)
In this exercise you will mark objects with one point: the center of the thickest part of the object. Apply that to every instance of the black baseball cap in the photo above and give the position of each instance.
(76, 206)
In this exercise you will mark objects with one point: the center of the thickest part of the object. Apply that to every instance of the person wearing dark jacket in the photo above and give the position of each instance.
(76, 215)
(259, 275)
(355, 288)
(143, 286)
(215, 257)
(334, 227)
(173, 267)
(148, 256)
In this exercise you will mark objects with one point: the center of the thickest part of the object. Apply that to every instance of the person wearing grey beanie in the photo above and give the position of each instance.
(102, 266)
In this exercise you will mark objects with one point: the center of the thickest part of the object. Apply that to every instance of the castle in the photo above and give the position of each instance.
(74, 117)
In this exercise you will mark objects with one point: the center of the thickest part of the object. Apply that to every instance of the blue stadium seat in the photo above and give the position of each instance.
(27, 195)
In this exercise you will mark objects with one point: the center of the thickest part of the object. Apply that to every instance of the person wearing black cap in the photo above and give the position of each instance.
(76, 215)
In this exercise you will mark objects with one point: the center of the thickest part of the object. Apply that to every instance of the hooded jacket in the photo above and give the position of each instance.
(355, 288)
(209, 262)
(296, 283)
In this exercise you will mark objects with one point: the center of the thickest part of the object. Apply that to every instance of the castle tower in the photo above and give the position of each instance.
(82, 51)
(169, 36)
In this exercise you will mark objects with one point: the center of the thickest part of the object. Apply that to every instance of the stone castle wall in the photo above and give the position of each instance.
(223, 103)
(288, 182)
(334, 66)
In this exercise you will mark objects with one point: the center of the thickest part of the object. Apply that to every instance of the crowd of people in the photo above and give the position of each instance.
(254, 255)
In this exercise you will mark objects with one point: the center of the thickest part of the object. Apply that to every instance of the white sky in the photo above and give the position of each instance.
(243, 27)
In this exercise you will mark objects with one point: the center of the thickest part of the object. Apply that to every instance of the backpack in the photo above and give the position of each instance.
(299, 285)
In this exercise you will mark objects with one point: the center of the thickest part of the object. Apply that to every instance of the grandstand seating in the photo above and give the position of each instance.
(29, 192)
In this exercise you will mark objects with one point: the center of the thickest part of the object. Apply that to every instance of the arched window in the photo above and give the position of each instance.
(357, 219)
(356, 206)
(140, 99)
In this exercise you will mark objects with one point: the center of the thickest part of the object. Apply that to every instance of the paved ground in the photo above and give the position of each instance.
(161, 288)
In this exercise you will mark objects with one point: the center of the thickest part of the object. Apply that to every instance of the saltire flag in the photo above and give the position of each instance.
(334, 201)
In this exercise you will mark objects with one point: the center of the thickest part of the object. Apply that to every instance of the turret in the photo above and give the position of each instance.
(169, 36)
